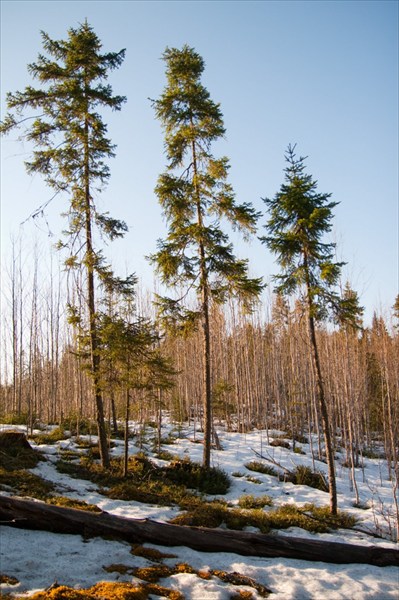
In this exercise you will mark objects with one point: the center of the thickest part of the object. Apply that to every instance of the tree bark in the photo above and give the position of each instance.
(28, 514)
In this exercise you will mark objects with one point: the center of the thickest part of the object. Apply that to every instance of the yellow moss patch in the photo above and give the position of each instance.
(73, 503)
(150, 553)
(118, 591)
(204, 575)
(118, 568)
(238, 579)
(8, 579)
(100, 591)
(24, 483)
(242, 595)
(152, 574)
(158, 590)
(185, 568)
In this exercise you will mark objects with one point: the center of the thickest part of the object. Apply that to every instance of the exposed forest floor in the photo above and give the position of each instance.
(259, 483)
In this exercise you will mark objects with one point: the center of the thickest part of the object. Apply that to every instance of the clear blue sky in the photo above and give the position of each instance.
(323, 75)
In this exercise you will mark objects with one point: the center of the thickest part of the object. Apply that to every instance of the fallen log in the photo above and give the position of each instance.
(31, 514)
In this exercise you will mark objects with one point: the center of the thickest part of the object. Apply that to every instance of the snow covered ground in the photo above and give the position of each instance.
(38, 559)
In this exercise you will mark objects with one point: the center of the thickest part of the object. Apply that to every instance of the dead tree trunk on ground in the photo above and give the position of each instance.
(28, 514)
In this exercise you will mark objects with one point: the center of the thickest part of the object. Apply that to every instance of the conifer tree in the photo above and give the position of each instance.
(70, 152)
(195, 196)
(299, 218)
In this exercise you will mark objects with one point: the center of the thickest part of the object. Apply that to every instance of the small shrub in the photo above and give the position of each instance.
(14, 419)
(193, 475)
(253, 479)
(82, 425)
(303, 475)
(169, 440)
(260, 467)
(69, 455)
(207, 514)
(298, 437)
(370, 453)
(298, 450)
(250, 501)
(278, 443)
(237, 474)
(165, 455)
(54, 436)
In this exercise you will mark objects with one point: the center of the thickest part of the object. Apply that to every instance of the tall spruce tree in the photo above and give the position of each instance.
(299, 218)
(70, 152)
(195, 196)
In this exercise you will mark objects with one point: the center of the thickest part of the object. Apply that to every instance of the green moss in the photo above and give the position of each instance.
(303, 475)
(14, 457)
(260, 467)
(193, 475)
(24, 483)
(253, 479)
(73, 503)
(310, 517)
(249, 501)
(56, 435)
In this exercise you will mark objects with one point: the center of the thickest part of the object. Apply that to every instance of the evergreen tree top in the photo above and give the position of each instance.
(299, 218)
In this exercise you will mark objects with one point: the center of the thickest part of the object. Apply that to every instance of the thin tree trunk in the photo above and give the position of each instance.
(94, 356)
(206, 344)
(324, 416)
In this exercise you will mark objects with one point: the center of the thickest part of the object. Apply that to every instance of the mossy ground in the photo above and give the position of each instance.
(310, 517)
(14, 475)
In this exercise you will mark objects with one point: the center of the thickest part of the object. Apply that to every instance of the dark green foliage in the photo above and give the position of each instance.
(197, 257)
(74, 424)
(148, 483)
(299, 217)
(207, 480)
(303, 475)
(261, 467)
(310, 518)
(194, 192)
(250, 501)
(14, 462)
(253, 479)
(17, 419)
(71, 150)
(54, 436)
(15, 456)
(73, 503)
(373, 453)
